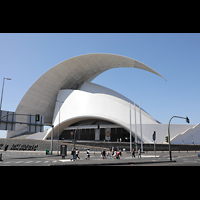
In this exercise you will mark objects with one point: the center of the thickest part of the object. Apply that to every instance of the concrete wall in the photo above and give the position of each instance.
(162, 130)
(190, 136)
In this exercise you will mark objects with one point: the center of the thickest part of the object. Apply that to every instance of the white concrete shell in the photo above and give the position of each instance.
(69, 74)
(93, 101)
(96, 102)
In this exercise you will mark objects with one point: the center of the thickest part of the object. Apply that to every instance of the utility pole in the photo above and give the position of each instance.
(59, 124)
(135, 129)
(130, 131)
(141, 130)
(2, 91)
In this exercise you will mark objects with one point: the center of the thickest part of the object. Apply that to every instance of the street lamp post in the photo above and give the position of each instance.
(2, 91)
(75, 134)
(187, 120)
(52, 133)
(59, 125)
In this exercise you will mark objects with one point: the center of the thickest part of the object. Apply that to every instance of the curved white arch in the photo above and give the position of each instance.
(70, 74)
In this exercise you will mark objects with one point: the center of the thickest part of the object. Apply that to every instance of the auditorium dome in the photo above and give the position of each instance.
(64, 95)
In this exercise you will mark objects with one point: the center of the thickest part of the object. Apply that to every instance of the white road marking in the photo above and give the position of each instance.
(64, 160)
(38, 161)
(19, 161)
(29, 161)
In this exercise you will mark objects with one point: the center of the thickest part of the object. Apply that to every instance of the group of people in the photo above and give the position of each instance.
(117, 154)
(108, 154)
(133, 153)
(75, 154)
(104, 154)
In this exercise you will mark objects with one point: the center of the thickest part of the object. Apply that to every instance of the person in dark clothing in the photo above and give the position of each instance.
(103, 154)
(73, 153)
(133, 153)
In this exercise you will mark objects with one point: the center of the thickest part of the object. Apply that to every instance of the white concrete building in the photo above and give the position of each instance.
(66, 98)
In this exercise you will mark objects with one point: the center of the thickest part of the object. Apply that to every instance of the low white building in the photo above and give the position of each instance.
(66, 98)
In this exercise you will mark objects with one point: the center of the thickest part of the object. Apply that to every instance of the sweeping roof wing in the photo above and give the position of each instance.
(70, 74)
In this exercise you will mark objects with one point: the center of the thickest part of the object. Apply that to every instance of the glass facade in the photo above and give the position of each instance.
(89, 134)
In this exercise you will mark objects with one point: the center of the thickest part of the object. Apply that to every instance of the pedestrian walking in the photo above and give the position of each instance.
(139, 153)
(103, 153)
(133, 153)
(115, 154)
(77, 153)
(113, 150)
(109, 154)
(118, 155)
(120, 152)
(124, 151)
(88, 154)
(73, 153)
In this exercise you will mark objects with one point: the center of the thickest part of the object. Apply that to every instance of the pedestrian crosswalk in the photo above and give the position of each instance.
(19, 158)
(19, 161)
(29, 162)
(22, 162)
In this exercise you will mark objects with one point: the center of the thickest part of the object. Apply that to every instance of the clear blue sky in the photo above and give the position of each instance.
(25, 57)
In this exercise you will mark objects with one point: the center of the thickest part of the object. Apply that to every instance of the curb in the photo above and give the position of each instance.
(113, 163)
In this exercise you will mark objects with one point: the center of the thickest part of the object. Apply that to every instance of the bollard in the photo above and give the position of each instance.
(6, 147)
(1, 157)
(63, 151)
(47, 152)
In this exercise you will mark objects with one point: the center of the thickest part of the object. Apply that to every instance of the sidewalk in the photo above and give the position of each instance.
(108, 162)
(96, 160)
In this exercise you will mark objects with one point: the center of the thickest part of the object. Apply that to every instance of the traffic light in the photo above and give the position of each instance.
(37, 117)
(166, 139)
(154, 136)
(187, 120)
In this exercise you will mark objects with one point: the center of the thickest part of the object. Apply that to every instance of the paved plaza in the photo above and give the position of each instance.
(39, 158)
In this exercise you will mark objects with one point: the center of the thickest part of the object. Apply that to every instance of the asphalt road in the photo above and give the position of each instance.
(39, 158)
